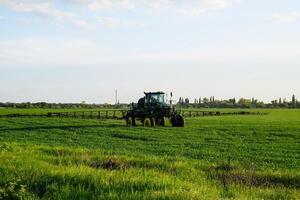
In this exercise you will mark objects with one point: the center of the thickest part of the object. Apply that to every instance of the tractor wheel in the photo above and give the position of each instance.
(180, 121)
(177, 121)
(173, 121)
(148, 122)
(160, 121)
(130, 121)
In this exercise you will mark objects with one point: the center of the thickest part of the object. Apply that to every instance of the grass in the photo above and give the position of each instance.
(227, 157)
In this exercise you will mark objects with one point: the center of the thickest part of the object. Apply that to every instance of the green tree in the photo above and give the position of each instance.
(187, 101)
(244, 103)
(205, 100)
(28, 105)
(294, 101)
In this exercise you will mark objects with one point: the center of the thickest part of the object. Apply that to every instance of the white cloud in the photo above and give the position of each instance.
(109, 22)
(202, 6)
(83, 52)
(37, 52)
(285, 17)
(190, 8)
(159, 3)
(99, 5)
(45, 9)
(113, 22)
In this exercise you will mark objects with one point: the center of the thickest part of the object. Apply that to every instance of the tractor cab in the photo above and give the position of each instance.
(155, 97)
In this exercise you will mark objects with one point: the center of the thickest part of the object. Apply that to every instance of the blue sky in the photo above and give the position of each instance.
(82, 50)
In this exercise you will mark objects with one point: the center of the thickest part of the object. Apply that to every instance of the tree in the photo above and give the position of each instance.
(205, 100)
(245, 103)
(274, 103)
(187, 101)
(254, 102)
(234, 101)
(28, 105)
(294, 101)
(180, 101)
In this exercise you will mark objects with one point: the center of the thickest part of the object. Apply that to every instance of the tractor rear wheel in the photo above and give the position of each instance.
(148, 122)
(180, 121)
(177, 121)
(160, 121)
(130, 121)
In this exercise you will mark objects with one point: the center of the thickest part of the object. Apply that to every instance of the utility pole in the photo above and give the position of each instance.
(116, 97)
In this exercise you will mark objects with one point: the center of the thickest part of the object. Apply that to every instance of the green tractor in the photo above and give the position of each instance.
(152, 110)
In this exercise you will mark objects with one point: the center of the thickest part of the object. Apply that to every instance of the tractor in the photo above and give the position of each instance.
(152, 110)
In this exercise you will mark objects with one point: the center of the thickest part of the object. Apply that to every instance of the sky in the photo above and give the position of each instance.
(84, 50)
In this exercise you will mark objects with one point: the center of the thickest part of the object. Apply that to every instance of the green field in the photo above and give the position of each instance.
(221, 157)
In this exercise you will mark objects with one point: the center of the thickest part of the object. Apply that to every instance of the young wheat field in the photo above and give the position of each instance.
(216, 157)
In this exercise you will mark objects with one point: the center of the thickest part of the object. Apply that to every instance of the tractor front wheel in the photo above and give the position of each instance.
(130, 121)
(148, 122)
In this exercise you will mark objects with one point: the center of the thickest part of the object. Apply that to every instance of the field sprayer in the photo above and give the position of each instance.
(152, 110)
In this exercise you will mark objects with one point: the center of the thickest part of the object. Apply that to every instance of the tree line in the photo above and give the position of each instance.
(82, 105)
(212, 102)
(204, 102)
